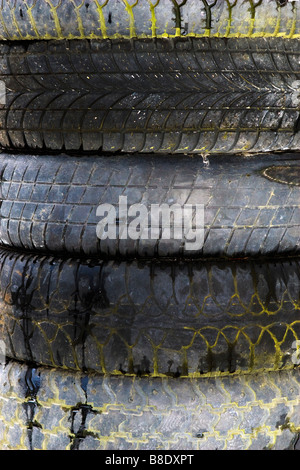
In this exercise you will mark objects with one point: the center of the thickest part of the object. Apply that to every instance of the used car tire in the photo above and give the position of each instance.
(251, 204)
(61, 410)
(157, 65)
(53, 19)
(154, 318)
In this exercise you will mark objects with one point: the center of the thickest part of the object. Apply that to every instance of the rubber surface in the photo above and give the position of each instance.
(153, 318)
(200, 95)
(49, 204)
(157, 123)
(46, 19)
(57, 410)
(153, 325)
(155, 65)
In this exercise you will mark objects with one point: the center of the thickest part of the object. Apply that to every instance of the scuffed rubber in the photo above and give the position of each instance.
(62, 410)
(192, 95)
(155, 318)
(49, 204)
(152, 65)
(58, 19)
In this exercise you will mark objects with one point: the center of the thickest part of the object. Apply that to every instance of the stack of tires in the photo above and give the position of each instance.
(139, 342)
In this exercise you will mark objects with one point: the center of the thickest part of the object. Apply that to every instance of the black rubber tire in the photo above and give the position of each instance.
(206, 65)
(61, 410)
(153, 318)
(80, 19)
(49, 203)
(150, 123)
(201, 95)
(154, 324)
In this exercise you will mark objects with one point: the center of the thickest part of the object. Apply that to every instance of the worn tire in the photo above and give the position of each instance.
(126, 318)
(251, 204)
(201, 95)
(59, 410)
(206, 65)
(44, 19)
(150, 123)
(153, 318)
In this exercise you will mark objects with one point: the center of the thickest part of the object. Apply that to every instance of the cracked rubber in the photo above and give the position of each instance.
(251, 204)
(46, 19)
(154, 318)
(72, 411)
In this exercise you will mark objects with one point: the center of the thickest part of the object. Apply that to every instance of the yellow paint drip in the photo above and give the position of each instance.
(277, 27)
(56, 19)
(15, 23)
(129, 9)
